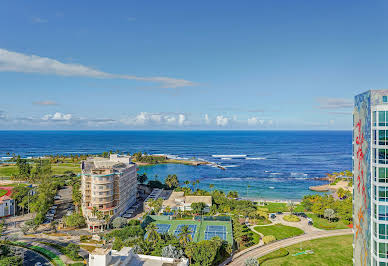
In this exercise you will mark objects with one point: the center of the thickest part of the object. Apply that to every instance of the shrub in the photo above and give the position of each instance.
(282, 252)
(119, 222)
(291, 218)
(251, 262)
(268, 239)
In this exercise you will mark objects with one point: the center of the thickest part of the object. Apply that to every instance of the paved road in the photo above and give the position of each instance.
(239, 258)
(30, 257)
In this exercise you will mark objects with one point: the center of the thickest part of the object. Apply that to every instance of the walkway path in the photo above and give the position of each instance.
(258, 250)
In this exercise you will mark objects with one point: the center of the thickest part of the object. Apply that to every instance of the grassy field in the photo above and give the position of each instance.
(201, 227)
(336, 250)
(276, 207)
(279, 231)
(282, 207)
(325, 224)
(58, 169)
(3, 192)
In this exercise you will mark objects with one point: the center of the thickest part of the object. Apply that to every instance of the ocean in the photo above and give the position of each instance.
(258, 164)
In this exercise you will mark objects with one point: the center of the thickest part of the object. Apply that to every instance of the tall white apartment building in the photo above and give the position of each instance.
(370, 171)
(109, 186)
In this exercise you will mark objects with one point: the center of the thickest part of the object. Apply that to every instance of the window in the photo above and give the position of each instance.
(385, 99)
(383, 250)
(382, 118)
(383, 231)
(383, 137)
(383, 175)
(383, 193)
(375, 211)
(374, 174)
(374, 193)
(373, 157)
(373, 117)
(374, 137)
(383, 156)
(383, 213)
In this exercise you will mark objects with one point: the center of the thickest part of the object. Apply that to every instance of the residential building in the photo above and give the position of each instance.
(108, 186)
(178, 201)
(370, 171)
(126, 256)
(7, 204)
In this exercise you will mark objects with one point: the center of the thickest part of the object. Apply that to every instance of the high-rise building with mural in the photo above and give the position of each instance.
(370, 171)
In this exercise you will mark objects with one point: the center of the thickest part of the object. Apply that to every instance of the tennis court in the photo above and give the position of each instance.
(163, 228)
(215, 230)
(192, 228)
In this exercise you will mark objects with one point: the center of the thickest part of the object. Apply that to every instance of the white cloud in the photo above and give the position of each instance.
(39, 20)
(57, 117)
(18, 62)
(221, 120)
(181, 119)
(207, 119)
(152, 119)
(45, 103)
(334, 103)
(253, 121)
(3, 116)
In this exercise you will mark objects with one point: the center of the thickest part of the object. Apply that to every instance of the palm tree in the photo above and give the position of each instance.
(185, 235)
(106, 219)
(211, 186)
(94, 211)
(291, 206)
(152, 233)
(99, 215)
(187, 183)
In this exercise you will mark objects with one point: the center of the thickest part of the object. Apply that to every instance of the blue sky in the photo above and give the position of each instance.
(188, 64)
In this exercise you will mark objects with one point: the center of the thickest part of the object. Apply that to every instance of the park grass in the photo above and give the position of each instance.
(291, 218)
(279, 231)
(61, 249)
(3, 192)
(335, 250)
(58, 169)
(325, 224)
(276, 207)
(256, 237)
(88, 248)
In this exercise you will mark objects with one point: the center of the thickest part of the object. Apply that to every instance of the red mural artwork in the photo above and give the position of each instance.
(360, 187)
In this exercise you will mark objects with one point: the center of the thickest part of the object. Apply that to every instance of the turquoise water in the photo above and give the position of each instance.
(275, 164)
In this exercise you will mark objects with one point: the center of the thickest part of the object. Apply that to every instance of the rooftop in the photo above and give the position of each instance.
(101, 165)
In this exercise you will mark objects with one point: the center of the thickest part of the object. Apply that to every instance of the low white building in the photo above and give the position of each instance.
(178, 201)
(108, 257)
(7, 206)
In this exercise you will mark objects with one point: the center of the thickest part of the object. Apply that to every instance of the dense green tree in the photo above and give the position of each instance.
(184, 235)
(172, 181)
(198, 207)
(142, 178)
(152, 234)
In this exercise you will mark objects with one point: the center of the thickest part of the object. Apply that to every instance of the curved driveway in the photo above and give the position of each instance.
(258, 251)
(30, 257)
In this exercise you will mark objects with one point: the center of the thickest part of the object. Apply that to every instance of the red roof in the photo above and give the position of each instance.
(7, 195)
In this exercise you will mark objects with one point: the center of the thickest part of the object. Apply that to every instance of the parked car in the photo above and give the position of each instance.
(57, 197)
(127, 216)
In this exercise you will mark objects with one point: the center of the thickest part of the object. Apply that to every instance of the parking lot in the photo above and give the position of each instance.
(63, 205)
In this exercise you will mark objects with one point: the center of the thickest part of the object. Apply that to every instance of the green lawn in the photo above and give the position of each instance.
(275, 207)
(58, 169)
(3, 192)
(325, 224)
(336, 250)
(279, 231)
